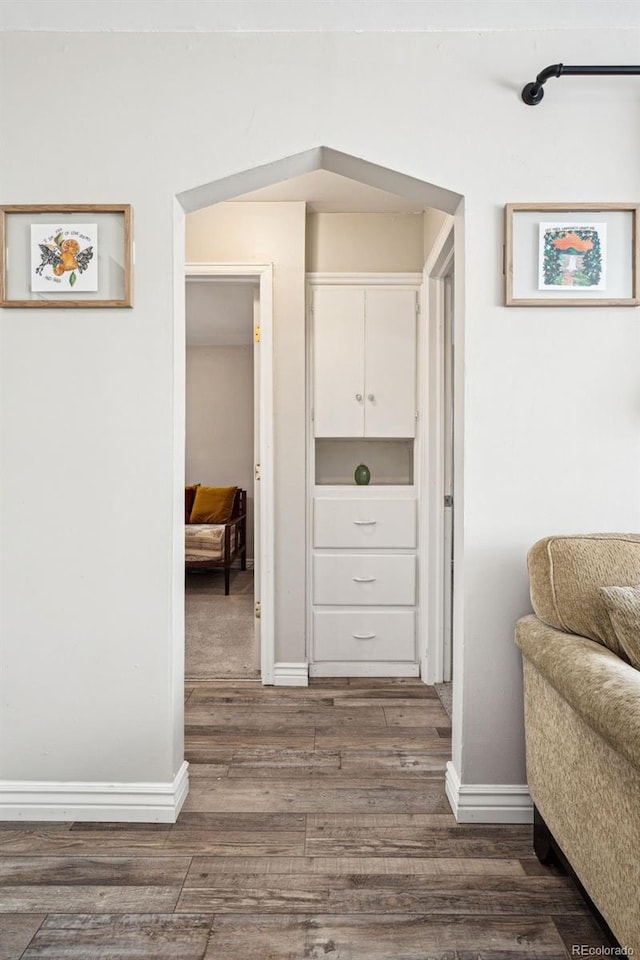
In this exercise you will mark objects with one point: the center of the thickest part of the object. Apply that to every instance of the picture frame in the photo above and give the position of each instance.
(571, 255)
(75, 255)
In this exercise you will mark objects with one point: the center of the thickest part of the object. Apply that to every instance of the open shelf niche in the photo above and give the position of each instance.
(389, 461)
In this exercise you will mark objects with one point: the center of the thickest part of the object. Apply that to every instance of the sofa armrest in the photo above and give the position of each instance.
(603, 689)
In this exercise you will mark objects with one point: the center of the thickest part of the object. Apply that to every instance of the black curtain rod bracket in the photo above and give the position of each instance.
(533, 93)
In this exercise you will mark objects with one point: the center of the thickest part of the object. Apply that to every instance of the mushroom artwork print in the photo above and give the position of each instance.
(572, 255)
(63, 257)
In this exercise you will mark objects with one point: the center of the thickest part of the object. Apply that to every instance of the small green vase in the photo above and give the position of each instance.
(362, 474)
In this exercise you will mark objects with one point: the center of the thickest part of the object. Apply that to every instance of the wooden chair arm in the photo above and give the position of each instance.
(235, 520)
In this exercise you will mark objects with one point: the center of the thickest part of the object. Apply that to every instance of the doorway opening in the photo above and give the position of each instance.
(228, 446)
(221, 641)
(307, 460)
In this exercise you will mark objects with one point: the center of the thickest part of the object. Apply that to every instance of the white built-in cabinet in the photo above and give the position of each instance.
(364, 549)
(364, 343)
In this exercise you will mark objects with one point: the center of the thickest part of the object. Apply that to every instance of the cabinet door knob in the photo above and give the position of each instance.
(358, 397)
(371, 396)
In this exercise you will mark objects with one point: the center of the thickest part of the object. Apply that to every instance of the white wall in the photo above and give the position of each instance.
(305, 15)
(551, 440)
(219, 438)
(218, 313)
(365, 242)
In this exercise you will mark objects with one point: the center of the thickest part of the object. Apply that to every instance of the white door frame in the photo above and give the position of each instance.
(448, 465)
(432, 516)
(263, 273)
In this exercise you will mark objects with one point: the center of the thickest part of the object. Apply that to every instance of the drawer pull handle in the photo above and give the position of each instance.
(364, 523)
(364, 579)
(364, 636)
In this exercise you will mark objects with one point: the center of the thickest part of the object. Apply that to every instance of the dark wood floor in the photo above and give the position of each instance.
(316, 826)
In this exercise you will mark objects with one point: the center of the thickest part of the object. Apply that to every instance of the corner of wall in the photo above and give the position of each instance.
(487, 802)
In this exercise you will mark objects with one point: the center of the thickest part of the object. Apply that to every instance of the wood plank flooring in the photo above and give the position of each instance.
(316, 826)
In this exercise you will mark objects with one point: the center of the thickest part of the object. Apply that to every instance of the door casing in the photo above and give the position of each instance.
(433, 522)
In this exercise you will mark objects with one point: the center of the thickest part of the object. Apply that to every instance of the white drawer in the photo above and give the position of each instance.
(364, 523)
(364, 635)
(364, 579)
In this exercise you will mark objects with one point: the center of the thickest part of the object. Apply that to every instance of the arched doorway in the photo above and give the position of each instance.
(293, 582)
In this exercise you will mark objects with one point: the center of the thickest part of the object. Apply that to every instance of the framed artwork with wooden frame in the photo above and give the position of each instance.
(66, 255)
(571, 255)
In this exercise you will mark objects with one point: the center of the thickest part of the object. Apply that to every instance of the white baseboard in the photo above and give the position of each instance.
(291, 674)
(114, 802)
(488, 802)
(347, 668)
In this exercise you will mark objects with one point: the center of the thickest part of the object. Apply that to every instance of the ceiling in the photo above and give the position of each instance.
(327, 192)
(215, 16)
(219, 313)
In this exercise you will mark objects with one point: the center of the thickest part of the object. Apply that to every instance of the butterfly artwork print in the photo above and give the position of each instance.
(64, 257)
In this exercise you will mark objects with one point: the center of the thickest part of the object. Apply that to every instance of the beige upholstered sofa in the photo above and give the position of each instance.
(582, 716)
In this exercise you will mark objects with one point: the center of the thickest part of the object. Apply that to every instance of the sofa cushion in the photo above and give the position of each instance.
(189, 497)
(213, 504)
(566, 574)
(205, 541)
(623, 605)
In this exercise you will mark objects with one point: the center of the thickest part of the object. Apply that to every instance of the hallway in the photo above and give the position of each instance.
(316, 826)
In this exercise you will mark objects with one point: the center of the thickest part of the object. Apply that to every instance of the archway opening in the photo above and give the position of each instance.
(219, 230)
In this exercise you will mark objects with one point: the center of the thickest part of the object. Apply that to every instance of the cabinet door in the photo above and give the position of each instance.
(390, 363)
(338, 362)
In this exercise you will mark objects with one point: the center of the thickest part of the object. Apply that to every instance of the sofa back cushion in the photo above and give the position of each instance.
(566, 574)
(623, 606)
(213, 504)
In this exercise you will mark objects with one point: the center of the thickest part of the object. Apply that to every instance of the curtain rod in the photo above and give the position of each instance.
(534, 92)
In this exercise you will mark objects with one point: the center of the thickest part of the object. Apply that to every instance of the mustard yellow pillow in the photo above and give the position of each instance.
(213, 504)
